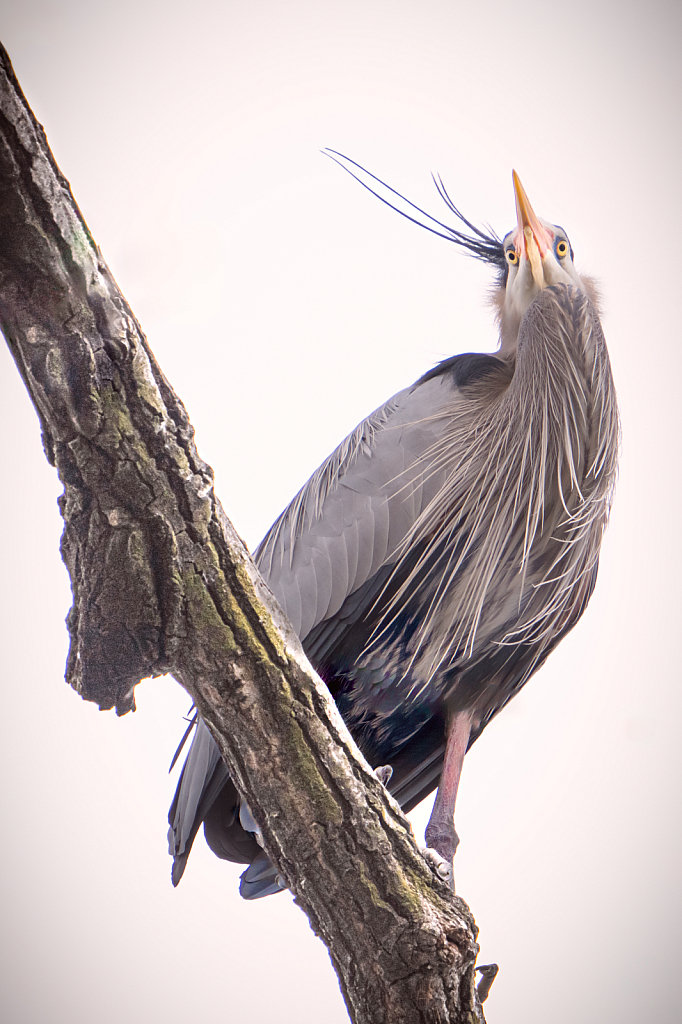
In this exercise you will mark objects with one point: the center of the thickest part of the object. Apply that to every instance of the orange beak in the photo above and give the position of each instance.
(532, 239)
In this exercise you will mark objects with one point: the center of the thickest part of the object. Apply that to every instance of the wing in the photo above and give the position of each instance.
(351, 518)
(327, 559)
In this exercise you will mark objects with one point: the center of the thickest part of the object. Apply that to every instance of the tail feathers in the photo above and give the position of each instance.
(206, 793)
(261, 878)
(203, 777)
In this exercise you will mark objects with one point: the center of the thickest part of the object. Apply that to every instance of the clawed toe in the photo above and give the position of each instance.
(384, 774)
(440, 866)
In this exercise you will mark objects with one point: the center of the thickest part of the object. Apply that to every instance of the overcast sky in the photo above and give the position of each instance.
(284, 304)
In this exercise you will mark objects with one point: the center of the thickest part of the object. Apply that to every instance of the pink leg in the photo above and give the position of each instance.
(440, 831)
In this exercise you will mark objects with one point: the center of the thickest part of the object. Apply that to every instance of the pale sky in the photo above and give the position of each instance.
(284, 304)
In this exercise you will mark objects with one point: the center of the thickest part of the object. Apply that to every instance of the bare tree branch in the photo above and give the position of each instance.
(162, 583)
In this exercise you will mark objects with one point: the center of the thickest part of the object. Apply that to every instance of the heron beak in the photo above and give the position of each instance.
(532, 239)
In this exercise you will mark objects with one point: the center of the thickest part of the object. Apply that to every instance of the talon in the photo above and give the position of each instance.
(488, 975)
(384, 774)
(440, 866)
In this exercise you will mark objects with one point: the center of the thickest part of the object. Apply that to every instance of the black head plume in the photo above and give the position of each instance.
(483, 245)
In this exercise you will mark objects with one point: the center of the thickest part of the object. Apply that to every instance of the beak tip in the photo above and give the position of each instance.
(529, 227)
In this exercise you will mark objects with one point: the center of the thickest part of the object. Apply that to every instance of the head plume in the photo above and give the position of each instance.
(483, 245)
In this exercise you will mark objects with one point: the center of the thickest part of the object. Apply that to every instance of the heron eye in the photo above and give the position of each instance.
(561, 248)
(512, 257)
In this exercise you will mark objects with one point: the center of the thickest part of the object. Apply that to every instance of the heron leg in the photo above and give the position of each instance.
(440, 832)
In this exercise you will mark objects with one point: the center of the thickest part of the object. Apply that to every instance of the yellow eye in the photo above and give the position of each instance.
(512, 257)
(561, 248)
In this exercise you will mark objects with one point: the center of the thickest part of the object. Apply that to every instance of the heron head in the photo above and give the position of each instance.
(537, 255)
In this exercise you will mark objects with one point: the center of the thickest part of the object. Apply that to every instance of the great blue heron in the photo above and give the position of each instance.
(435, 559)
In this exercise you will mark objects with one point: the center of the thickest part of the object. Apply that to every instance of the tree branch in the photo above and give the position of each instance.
(162, 583)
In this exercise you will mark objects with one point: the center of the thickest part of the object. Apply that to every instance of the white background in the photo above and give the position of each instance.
(284, 304)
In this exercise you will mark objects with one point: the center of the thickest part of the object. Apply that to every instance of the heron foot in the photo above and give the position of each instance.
(384, 774)
(440, 865)
(488, 975)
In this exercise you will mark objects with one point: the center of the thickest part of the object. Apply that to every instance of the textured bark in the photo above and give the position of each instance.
(161, 583)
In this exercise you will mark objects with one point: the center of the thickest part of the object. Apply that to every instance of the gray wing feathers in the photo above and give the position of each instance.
(199, 768)
(356, 510)
(307, 583)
